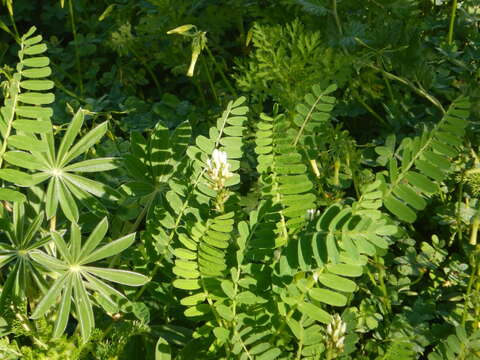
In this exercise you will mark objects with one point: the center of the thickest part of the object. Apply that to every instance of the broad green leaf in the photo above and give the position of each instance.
(25, 142)
(69, 137)
(61, 246)
(36, 49)
(67, 203)
(11, 195)
(350, 270)
(39, 61)
(86, 199)
(397, 207)
(85, 143)
(225, 312)
(50, 297)
(186, 284)
(48, 261)
(109, 249)
(75, 242)
(91, 186)
(16, 177)
(124, 277)
(94, 165)
(314, 312)
(197, 310)
(422, 182)
(205, 144)
(84, 308)
(24, 160)
(34, 112)
(337, 282)
(328, 297)
(193, 299)
(51, 200)
(34, 98)
(37, 85)
(33, 126)
(37, 73)
(64, 309)
(96, 236)
(107, 292)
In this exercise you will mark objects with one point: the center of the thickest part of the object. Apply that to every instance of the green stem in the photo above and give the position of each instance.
(210, 81)
(382, 286)
(416, 89)
(77, 54)
(336, 172)
(335, 15)
(12, 20)
(474, 231)
(474, 278)
(459, 202)
(452, 22)
(371, 111)
(220, 71)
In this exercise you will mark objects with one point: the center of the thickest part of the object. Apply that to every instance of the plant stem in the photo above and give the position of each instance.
(458, 215)
(335, 15)
(220, 71)
(418, 90)
(371, 111)
(210, 81)
(474, 232)
(452, 22)
(77, 54)
(474, 277)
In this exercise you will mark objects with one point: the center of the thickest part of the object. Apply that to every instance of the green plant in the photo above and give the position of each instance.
(330, 213)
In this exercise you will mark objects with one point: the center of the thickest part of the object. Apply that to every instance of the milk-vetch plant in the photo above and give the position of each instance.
(261, 236)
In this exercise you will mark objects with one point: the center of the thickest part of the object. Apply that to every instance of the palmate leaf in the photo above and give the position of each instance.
(64, 182)
(423, 162)
(24, 275)
(76, 278)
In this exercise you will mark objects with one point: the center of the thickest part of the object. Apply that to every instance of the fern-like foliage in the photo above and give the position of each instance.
(225, 136)
(24, 115)
(312, 114)
(283, 173)
(201, 257)
(287, 60)
(424, 161)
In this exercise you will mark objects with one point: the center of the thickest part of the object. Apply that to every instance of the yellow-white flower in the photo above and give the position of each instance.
(218, 169)
(336, 331)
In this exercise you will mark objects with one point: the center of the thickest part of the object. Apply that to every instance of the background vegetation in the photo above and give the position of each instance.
(237, 179)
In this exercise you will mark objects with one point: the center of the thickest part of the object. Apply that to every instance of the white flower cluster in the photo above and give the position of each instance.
(218, 169)
(311, 214)
(336, 331)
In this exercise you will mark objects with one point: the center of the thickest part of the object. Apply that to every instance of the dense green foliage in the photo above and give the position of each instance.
(271, 179)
